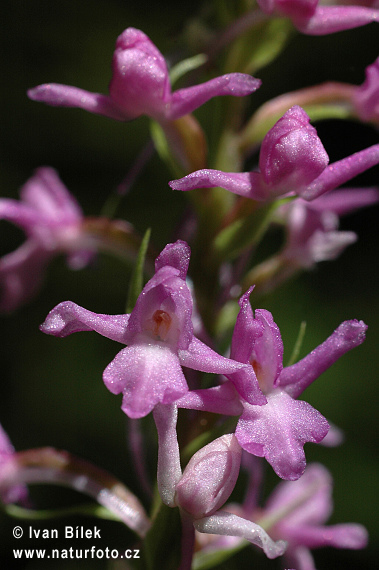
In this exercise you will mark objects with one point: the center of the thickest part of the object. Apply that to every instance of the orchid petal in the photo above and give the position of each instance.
(166, 296)
(292, 155)
(247, 184)
(175, 255)
(46, 193)
(58, 95)
(307, 501)
(14, 493)
(201, 357)
(365, 97)
(221, 399)
(146, 374)
(68, 317)
(184, 101)
(140, 83)
(279, 430)
(21, 274)
(348, 535)
(343, 201)
(340, 172)
(20, 214)
(331, 19)
(296, 378)
(246, 330)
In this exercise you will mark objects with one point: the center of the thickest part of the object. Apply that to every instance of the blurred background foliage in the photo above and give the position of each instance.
(52, 389)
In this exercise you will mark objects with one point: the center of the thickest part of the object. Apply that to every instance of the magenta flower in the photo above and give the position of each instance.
(308, 505)
(279, 429)
(292, 161)
(140, 85)
(52, 221)
(158, 334)
(312, 19)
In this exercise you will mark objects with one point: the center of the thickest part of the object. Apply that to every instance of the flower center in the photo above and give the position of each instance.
(161, 322)
(261, 377)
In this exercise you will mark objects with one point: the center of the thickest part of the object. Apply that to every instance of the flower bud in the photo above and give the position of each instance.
(292, 155)
(209, 477)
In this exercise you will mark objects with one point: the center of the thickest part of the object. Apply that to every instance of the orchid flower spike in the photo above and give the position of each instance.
(140, 85)
(279, 429)
(297, 511)
(53, 223)
(312, 19)
(158, 334)
(292, 161)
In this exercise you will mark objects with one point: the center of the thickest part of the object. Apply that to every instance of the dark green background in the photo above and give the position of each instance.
(52, 392)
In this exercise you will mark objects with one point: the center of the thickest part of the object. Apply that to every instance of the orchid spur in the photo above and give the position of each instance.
(158, 334)
(311, 18)
(292, 161)
(140, 85)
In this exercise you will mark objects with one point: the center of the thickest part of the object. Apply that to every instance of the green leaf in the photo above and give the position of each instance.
(298, 343)
(136, 281)
(163, 149)
(186, 66)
